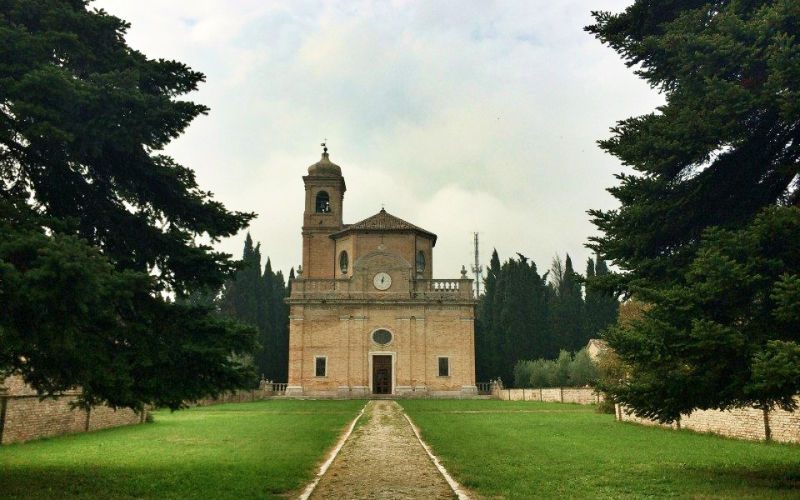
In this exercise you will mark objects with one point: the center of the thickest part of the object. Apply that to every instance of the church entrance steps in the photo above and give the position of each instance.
(384, 457)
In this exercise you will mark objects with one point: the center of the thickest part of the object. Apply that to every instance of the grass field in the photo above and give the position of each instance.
(247, 450)
(528, 449)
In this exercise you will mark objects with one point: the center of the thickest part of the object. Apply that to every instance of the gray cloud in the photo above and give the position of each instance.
(458, 116)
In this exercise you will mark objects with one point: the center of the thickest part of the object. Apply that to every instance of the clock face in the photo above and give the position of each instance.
(382, 281)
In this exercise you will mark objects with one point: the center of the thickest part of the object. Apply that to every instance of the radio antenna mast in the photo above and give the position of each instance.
(477, 269)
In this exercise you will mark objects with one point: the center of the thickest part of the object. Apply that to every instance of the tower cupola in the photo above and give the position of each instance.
(325, 167)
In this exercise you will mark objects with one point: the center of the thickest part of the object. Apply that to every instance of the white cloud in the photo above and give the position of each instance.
(459, 116)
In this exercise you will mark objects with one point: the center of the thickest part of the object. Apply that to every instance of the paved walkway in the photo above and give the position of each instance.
(383, 459)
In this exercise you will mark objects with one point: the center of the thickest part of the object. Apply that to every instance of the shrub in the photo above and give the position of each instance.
(566, 371)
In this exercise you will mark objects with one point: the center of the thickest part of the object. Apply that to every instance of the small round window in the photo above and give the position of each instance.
(343, 262)
(382, 337)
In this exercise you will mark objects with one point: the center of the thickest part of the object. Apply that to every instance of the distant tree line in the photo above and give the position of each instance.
(567, 370)
(256, 298)
(524, 315)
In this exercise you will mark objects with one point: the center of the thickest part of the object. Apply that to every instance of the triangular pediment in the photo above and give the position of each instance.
(383, 221)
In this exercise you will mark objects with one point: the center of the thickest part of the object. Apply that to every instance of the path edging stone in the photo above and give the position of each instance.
(309, 489)
(457, 488)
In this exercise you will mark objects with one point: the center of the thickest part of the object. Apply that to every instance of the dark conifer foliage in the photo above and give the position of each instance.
(567, 314)
(602, 307)
(257, 299)
(715, 166)
(487, 357)
(100, 229)
(524, 315)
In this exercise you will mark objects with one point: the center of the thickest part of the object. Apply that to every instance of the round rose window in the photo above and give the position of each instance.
(382, 337)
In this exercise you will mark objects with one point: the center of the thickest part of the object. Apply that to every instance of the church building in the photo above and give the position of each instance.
(366, 316)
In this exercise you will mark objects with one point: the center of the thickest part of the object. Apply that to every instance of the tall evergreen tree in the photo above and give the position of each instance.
(257, 299)
(486, 352)
(601, 306)
(515, 317)
(497, 331)
(277, 328)
(85, 189)
(723, 149)
(280, 326)
(567, 318)
(268, 353)
(512, 317)
(243, 294)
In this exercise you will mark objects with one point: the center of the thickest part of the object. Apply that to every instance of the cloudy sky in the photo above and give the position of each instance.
(458, 116)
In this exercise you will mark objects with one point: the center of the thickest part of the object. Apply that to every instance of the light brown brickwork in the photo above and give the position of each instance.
(333, 314)
(23, 417)
(577, 395)
(741, 423)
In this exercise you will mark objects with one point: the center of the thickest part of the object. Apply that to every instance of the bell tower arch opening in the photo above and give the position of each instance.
(323, 203)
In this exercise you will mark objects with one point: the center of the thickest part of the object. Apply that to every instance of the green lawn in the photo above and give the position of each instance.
(247, 450)
(528, 449)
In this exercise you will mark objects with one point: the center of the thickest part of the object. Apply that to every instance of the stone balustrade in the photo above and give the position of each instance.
(348, 289)
(443, 289)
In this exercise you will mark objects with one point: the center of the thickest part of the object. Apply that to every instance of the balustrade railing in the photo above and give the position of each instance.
(484, 387)
(444, 285)
(440, 289)
(443, 289)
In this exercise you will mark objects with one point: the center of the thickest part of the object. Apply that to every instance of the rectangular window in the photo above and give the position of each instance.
(320, 366)
(444, 367)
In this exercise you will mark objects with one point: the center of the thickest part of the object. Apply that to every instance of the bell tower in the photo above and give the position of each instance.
(325, 189)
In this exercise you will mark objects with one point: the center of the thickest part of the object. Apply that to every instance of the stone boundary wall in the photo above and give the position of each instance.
(24, 417)
(740, 423)
(578, 395)
(236, 397)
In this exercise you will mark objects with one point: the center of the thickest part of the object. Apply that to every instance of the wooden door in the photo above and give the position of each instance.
(381, 374)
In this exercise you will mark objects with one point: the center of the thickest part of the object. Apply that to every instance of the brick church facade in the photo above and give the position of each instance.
(365, 316)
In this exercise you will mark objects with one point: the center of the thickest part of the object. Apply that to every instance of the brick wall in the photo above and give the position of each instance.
(579, 395)
(24, 417)
(741, 423)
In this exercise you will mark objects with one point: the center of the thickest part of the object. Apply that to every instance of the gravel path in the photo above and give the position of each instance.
(383, 459)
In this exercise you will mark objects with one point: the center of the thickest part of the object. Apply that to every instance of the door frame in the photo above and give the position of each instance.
(393, 354)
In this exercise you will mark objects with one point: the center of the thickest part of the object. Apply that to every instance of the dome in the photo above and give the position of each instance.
(325, 167)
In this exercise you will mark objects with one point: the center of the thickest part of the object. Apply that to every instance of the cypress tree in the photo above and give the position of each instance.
(486, 347)
(276, 328)
(266, 354)
(601, 306)
(257, 299)
(241, 299)
(522, 327)
(538, 317)
(567, 308)
(514, 318)
(575, 311)
(280, 327)
(497, 331)
(607, 303)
